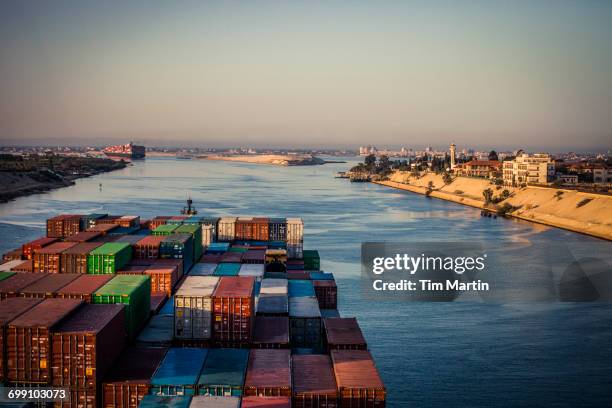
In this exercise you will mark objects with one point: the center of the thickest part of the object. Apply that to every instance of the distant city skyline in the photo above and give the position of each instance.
(484, 74)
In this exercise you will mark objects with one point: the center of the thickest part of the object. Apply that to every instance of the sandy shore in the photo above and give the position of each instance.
(272, 159)
(586, 213)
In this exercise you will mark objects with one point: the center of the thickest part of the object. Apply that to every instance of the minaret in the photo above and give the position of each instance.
(453, 149)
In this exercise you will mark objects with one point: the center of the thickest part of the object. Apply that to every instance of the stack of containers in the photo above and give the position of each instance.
(109, 258)
(209, 230)
(268, 373)
(273, 300)
(196, 234)
(90, 220)
(358, 381)
(164, 229)
(271, 332)
(133, 291)
(327, 293)
(83, 236)
(234, 311)
(255, 270)
(179, 372)
(163, 277)
(254, 256)
(12, 286)
(226, 229)
(63, 226)
(218, 248)
(277, 229)
(193, 308)
(231, 256)
(103, 229)
(343, 334)
(227, 269)
(312, 261)
(203, 269)
(148, 247)
(14, 255)
(314, 384)
(83, 287)
(266, 402)
(130, 379)
(157, 221)
(295, 238)
(304, 322)
(129, 221)
(223, 372)
(177, 246)
(28, 249)
(48, 286)
(48, 259)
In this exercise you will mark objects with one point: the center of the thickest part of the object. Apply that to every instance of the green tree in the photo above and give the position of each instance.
(493, 155)
(488, 195)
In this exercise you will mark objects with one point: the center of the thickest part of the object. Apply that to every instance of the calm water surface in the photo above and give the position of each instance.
(429, 354)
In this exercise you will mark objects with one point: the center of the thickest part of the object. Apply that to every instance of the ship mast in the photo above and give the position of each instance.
(190, 209)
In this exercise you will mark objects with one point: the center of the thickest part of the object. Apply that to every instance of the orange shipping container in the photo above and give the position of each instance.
(48, 259)
(148, 247)
(358, 380)
(234, 309)
(163, 278)
(29, 248)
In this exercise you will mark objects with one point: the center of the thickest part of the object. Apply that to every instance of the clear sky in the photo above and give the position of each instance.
(531, 74)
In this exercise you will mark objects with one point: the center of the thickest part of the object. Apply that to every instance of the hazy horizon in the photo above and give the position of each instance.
(484, 74)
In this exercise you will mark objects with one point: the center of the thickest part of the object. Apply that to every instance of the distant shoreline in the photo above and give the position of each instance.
(269, 159)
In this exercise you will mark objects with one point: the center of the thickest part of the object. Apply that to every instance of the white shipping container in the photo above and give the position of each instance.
(193, 307)
(203, 269)
(6, 267)
(209, 401)
(295, 231)
(256, 270)
(304, 307)
(208, 235)
(274, 287)
(226, 229)
(295, 251)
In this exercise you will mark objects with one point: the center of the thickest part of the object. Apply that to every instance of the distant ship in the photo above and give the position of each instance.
(129, 150)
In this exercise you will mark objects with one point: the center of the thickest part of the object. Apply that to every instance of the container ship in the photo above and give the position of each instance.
(181, 311)
(130, 151)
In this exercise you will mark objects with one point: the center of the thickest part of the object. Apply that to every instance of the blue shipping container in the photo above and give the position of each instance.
(217, 247)
(301, 288)
(123, 231)
(168, 308)
(179, 372)
(227, 269)
(321, 276)
(154, 401)
(223, 372)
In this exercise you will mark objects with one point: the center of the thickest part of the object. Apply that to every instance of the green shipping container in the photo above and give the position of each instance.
(227, 269)
(109, 258)
(164, 229)
(133, 291)
(223, 372)
(240, 250)
(312, 262)
(196, 232)
(4, 275)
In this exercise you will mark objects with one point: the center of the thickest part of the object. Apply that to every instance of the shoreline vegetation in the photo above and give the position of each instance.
(581, 212)
(34, 174)
(271, 159)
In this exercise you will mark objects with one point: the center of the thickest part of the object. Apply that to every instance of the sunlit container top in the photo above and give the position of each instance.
(256, 270)
(155, 401)
(274, 286)
(206, 401)
(227, 269)
(198, 286)
(6, 267)
(235, 286)
(110, 248)
(203, 269)
(301, 288)
(165, 229)
(304, 307)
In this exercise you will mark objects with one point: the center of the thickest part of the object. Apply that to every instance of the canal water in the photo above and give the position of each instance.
(429, 354)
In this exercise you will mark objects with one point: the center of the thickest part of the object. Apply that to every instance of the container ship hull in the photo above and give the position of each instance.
(129, 151)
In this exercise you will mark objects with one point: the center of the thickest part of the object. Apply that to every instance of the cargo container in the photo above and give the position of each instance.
(86, 345)
(276, 256)
(295, 264)
(48, 286)
(179, 372)
(343, 334)
(90, 220)
(252, 229)
(314, 385)
(271, 332)
(129, 221)
(218, 248)
(79, 398)
(158, 332)
(7, 266)
(327, 293)
(274, 287)
(203, 269)
(171, 263)
(227, 269)
(157, 221)
(238, 248)
(234, 309)
(106, 238)
(208, 235)
(29, 248)
(223, 372)
(209, 401)
(317, 275)
(168, 307)
(266, 402)
(299, 275)
(12, 286)
(304, 322)
(109, 258)
(148, 247)
(48, 259)
(163, 277)
(13, 255)
(158, 299)
(103, 228)
(226, 229)
(63, 225)
(121, 231)
(10, 309)
(268, 373)
(25, 266)
(295, 231)
(164, 229)
(133, 291)
(358, 381)
(130, 378)
(29, 346)
(295, 251)
(130, 239)
(193, 307)
(301, 288)
(254, 256)
(196, 234)
(329, 313)
(155, 401)
(231, 257)
(74, 259)
(83, 236)
(255, 270)
(178, 246)
(272, 305)
(311, 260)
(277, 228)
(5, 275)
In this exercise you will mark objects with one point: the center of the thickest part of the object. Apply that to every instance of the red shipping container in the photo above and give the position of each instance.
(64, 225)
(48, 259)
(210, 258)
(103, 228)
(314, 385)
(86, 344)
(271, 332)
(14, 255)
(83, 287)
(80, 398)
(231, 257)
(358, 380)
(157, 221)
(254, 256)
(163, 277)
(83, 236)
(32, 246)
(268, 373)
(327, 293)
(343, 333)
(74, 259)
(106, 238)
(129, 221)
(48, 286)
(130, 378)
(254, 229)
(25, 266)
(234, 309)
(108, 220)
(266, 402)
(11, 309)
(148, 247)
(12, 286)
(29, 346)
(170, 263)
(299, 275)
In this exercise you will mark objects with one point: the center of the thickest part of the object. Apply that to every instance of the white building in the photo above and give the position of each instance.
(602, 175)
(529, 169)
